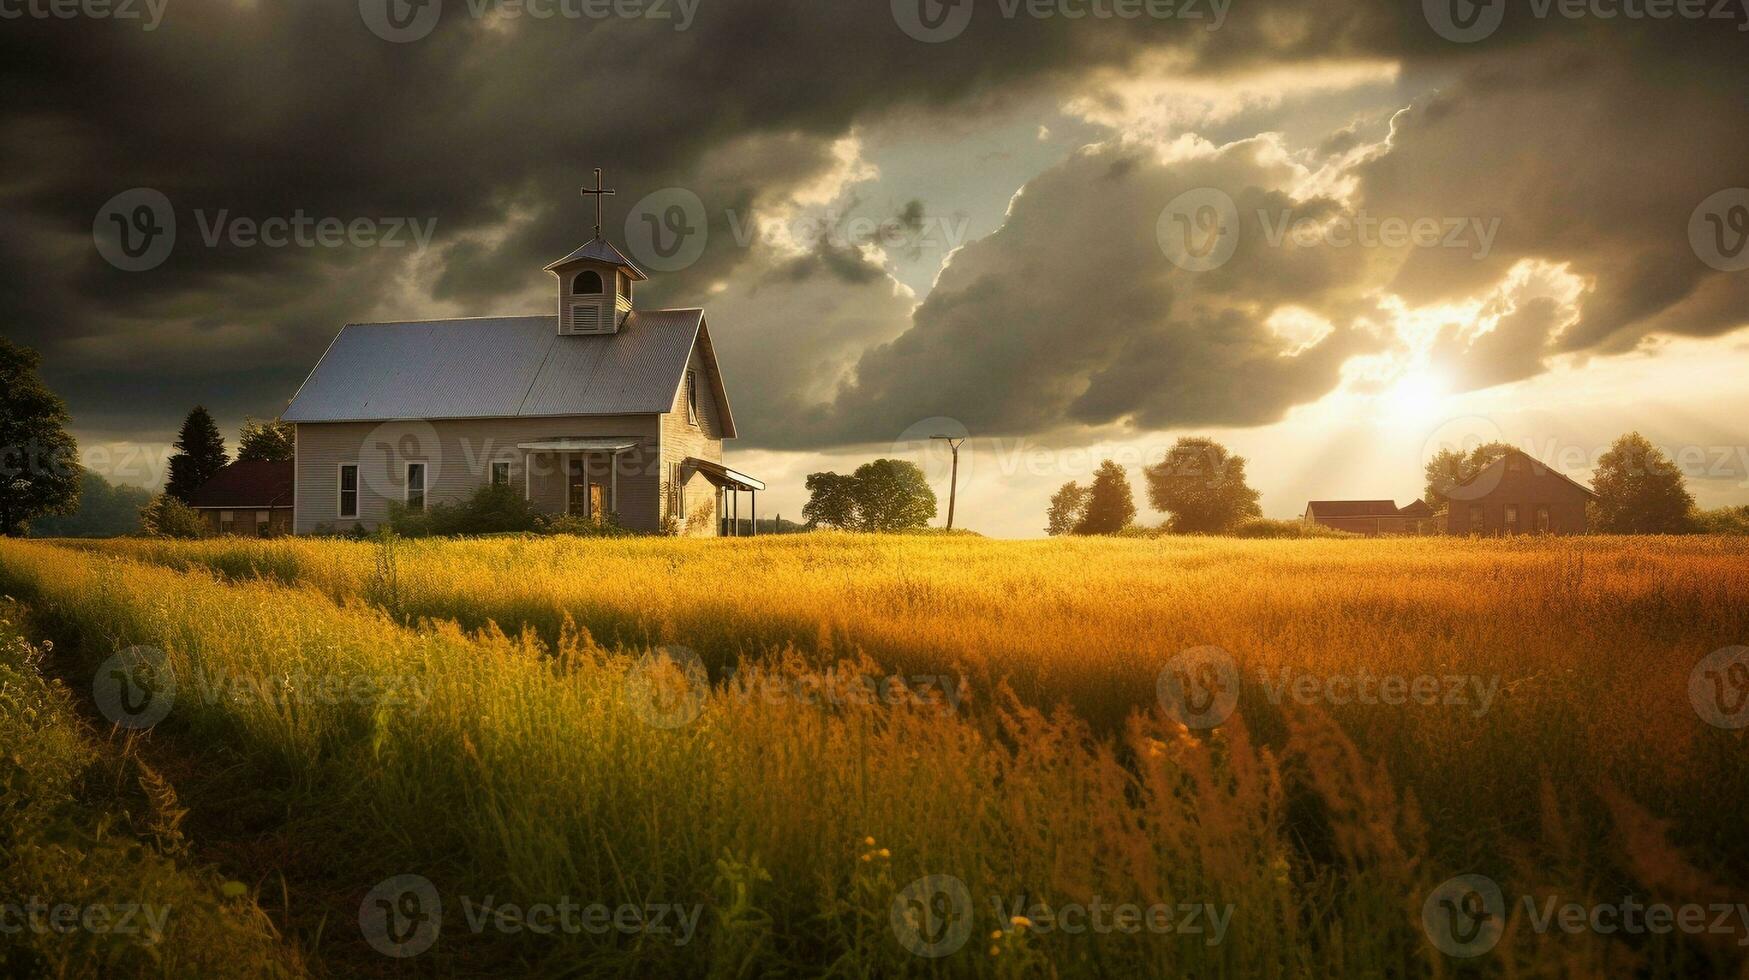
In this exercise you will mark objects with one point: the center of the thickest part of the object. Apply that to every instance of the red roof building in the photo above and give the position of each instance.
(251, 498)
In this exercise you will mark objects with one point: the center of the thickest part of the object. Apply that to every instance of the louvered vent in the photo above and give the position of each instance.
(586, 318)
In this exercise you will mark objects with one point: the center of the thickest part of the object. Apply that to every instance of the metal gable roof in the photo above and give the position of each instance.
(1353, 508)
(497, 367)
(600, 250)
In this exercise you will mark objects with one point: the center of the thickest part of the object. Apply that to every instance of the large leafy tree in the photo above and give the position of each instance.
(39, 461)
(200, 454)
(1110, 504)
(883, 495)
(892, 495)
(1202, 486)
(1068, 507)
(265, 441)
(831, 501)
(1449, 467)
(1640, 491)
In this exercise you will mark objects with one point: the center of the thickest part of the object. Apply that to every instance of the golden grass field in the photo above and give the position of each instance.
(530, 767)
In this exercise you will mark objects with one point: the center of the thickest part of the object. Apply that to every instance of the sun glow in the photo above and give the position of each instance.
(1414, 399)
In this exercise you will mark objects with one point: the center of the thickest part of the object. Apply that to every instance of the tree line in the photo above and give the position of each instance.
(1200, 485)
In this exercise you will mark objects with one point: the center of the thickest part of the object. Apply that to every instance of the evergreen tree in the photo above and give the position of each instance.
(200, 454)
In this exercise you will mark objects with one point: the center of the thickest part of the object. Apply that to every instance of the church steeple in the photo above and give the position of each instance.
(595, 281)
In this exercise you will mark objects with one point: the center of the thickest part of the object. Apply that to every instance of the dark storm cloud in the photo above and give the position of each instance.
(1592, 150)
(1072, 314)
(486, 127)
(1589, 138)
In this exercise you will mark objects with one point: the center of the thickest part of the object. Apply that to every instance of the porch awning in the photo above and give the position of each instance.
(582, 444)
(723, 476)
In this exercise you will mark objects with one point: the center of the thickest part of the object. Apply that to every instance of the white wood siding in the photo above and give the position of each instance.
(458, 454)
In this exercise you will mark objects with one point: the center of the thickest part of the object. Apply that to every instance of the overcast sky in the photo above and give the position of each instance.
(1333, 234)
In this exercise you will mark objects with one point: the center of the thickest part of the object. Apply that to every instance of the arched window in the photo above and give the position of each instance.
(586, 284)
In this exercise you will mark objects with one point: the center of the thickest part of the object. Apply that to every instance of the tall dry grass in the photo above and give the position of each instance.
(530, 774)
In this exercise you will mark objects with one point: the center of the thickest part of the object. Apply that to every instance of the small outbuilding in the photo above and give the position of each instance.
(251, 498)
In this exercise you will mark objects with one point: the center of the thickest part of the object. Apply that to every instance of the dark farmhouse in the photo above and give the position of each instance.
(1515, 494)
(252, 498)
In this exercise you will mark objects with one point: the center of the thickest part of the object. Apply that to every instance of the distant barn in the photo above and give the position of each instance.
(1371, 517)
(250, 497)
(1515, 494)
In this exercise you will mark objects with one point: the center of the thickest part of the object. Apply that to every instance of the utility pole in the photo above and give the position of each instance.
(953, 487)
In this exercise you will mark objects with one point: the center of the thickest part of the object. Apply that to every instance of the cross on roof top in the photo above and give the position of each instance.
(598, 191)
